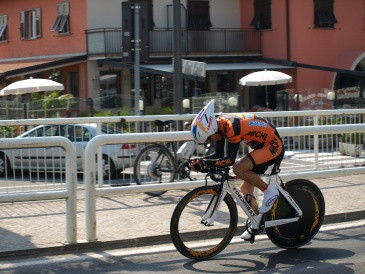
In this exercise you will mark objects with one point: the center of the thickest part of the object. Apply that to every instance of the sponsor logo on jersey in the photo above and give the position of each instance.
(257, 134)
(274, 146)
(257, 124)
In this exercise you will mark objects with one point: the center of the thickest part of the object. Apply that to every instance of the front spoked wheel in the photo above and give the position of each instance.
(293, 235)
(154, 165)
(189, 233)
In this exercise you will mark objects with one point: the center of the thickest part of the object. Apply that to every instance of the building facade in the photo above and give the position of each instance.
(323, 39)
(321, 43)
(40, 37)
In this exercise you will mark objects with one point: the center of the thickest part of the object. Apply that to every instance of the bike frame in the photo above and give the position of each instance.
(228, 187)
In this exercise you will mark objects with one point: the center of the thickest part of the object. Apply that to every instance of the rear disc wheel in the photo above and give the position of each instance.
(310, 200)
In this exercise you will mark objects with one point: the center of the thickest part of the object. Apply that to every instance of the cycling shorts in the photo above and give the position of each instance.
(266, 155)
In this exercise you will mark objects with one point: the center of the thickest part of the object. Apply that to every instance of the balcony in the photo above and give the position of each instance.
(215, 42)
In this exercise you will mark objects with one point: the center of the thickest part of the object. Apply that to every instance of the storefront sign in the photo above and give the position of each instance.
(351, 92)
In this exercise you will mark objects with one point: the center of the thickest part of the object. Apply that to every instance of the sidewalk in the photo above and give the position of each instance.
(137, 219)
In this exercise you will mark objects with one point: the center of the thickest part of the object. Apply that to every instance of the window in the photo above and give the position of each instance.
(45, 131)
(3, 28)
(62, 23)
(324, 16)
(30, 24)
(198, 15)
(262, 17)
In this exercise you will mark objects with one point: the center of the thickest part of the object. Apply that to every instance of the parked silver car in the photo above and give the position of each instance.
(115, 157)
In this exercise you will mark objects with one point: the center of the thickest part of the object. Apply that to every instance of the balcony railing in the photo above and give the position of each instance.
(108, 42)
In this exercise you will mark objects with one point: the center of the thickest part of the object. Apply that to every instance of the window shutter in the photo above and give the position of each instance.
(22, 25)
(38, 22)
(63, 22)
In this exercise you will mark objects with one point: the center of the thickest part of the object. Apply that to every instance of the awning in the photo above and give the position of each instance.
(168, 68)
(12, 69)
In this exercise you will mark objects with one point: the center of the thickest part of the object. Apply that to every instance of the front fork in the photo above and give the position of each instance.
(214, 204)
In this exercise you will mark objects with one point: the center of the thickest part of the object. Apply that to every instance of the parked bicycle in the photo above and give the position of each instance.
(205, 220)
(157, 163)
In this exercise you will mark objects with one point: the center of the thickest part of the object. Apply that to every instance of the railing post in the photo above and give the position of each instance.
(225, 41)
(316, 144)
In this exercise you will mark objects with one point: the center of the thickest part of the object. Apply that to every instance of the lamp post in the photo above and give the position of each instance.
(232, 102)
(186, 104)
(137, 49)
(177, 61)
(332, 95)
(298, 99)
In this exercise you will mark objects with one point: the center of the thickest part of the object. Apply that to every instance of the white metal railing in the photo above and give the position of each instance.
(89, 176)
(325, 147)
(69, 194)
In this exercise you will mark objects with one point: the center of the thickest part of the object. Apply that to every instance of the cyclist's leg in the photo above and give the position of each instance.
(257, 162)
(244, 170)
(247, 190)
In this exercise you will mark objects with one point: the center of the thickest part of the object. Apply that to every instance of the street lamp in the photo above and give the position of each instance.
(298, 98)
(332, 95)
(141, 106)
(232, 102)
(186, 104)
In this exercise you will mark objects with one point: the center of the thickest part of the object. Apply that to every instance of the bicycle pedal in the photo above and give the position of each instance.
(206, 223)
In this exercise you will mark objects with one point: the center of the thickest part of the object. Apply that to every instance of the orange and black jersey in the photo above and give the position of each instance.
(255, 131)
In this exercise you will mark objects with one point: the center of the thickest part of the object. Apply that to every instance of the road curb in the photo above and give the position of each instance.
(147, 241)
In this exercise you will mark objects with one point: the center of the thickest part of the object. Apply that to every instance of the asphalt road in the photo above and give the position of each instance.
(336, 249)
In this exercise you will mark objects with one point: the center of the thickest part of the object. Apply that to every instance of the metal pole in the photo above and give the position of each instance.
(177, 62)
(136, 41)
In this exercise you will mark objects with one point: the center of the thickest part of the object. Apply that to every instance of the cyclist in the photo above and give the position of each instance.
(256, 132)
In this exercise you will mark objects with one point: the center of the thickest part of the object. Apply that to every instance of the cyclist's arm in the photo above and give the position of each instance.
(228, 160)
(218, 150)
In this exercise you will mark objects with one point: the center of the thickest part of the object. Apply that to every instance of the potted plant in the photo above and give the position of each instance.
(351, 144)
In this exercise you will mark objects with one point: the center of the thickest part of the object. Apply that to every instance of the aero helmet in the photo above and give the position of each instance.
(204, 124)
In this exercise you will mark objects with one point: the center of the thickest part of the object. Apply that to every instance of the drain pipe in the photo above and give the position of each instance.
(288, 49)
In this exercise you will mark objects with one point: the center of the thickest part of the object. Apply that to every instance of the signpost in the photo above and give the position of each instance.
(194, 68)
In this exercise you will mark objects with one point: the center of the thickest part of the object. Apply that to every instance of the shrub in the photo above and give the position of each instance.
(352, 138)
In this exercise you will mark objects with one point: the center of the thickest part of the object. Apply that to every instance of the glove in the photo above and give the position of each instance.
(197, 165)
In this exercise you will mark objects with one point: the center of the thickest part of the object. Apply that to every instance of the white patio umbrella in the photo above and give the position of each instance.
(31, 85)
(265, 78)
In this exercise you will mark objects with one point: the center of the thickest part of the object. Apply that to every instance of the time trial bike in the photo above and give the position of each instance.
(205, 220)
